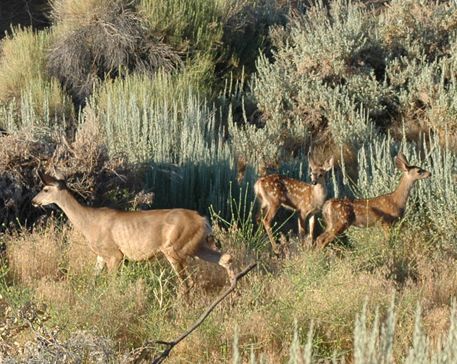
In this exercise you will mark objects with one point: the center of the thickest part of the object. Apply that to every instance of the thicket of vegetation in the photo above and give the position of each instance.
(192, 101)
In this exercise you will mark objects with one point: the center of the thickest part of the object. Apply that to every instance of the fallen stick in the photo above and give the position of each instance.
(172, 344)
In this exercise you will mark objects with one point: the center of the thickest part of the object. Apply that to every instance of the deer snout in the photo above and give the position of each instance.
(36, 203)
(314, 183)
(426, 174)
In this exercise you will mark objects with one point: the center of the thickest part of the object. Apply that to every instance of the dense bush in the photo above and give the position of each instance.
(230, 32)
(97, 39)
(338, 72)
(322, 81)
(159, 111)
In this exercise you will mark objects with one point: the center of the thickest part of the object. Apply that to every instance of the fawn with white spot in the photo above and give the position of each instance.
(339, 214)
(306, 199)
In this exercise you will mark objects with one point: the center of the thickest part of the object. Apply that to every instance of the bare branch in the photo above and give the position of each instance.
(171, 344)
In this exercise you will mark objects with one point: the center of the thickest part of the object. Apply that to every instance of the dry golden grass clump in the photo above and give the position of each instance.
(22, 56)
(33, 256)
(57, 293)
(81, 260)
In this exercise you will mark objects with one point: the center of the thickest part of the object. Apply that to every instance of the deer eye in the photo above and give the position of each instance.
(46, 189)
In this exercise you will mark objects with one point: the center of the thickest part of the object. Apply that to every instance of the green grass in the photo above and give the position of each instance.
(361, 85)
(324, 290)
(28, 96)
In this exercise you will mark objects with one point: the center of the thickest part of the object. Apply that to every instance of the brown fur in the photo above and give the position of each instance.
(274, 191)
(339, 214)
(137, 235)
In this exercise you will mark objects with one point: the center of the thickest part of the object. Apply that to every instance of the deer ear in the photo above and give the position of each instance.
(47, 179)
(59, 175)
(311, 162)
(328, 165)
(401, 162)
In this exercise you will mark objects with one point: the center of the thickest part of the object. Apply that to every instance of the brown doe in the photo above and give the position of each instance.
(137, 235)
(339, 214)
(275, 191)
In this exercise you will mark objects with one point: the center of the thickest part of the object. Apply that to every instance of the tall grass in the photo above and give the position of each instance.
(161, 119)
(22, 59)
(372, 343)
(28, 96)
(194, 24)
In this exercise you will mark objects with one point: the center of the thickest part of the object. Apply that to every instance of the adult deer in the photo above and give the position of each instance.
(339, 214)
(137, 235)
(274, 191)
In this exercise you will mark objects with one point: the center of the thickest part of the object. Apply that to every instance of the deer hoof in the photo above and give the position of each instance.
(308, 242)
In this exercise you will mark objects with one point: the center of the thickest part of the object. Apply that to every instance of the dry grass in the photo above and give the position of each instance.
(327, 289)
(22, 57)
(107, 307)
(32, 257)
(81, 260)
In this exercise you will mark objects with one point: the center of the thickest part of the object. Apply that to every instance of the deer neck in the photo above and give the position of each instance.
(319, 191)
(79, 215)
(401, 194)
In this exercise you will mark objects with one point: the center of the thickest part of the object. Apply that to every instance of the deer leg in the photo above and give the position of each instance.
(267, 219)
(308, 240)
(224, 260)
(113, 262)
(324, 239)
(301, 225)
(181, 273)
(312, 224)
(302, 217)
(261, 212)
(99, 265)
(330, 233)
(386, 231)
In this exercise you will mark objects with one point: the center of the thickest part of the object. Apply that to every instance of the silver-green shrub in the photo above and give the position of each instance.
(165, 124)
(162, 119)
(320, 83)
(432, 201)
(373, 344)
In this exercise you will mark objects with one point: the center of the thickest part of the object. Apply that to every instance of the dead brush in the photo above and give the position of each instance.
(91, 172)
(33, 256)
(102, 38)
(19, 153)
(85, 160)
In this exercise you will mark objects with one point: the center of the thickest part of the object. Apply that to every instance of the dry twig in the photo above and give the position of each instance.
(171, 344)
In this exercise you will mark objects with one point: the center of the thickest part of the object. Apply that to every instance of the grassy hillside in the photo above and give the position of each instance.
(193, 101)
